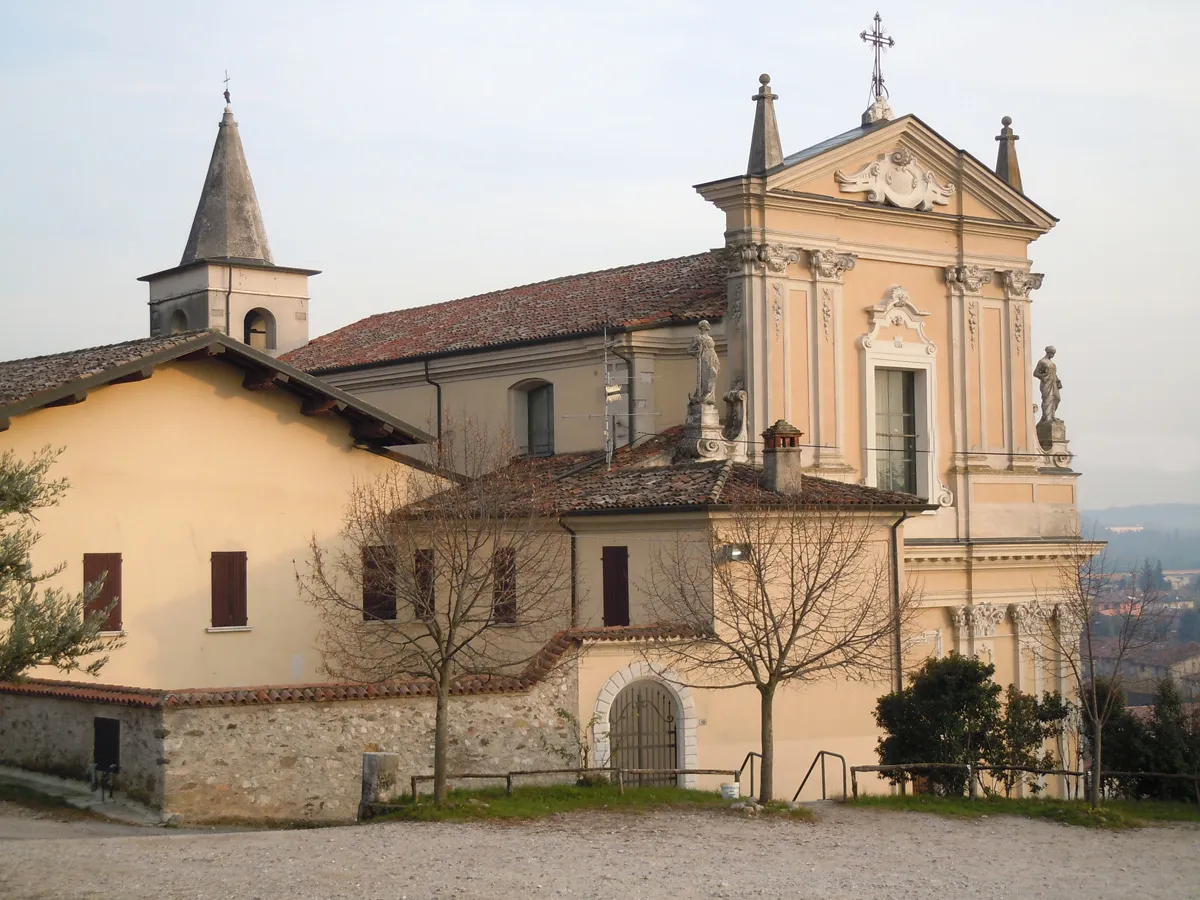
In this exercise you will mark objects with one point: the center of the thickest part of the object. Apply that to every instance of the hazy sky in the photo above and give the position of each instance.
(419, 152)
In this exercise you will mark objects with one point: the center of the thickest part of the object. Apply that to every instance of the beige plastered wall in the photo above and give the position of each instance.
(206, 292)
(166, 471)
(485, 388)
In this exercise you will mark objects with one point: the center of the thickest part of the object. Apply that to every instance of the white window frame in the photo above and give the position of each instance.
(920, 356)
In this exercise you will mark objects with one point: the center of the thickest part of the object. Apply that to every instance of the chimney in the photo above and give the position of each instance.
(782, 458)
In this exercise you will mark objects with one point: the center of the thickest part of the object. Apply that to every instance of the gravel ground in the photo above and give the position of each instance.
(846, 853)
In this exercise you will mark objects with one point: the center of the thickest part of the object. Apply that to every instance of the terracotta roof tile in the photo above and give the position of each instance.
(21, 378)
(643, 477)
(684, 289)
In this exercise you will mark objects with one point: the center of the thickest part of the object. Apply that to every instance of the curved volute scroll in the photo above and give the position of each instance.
(896, 178)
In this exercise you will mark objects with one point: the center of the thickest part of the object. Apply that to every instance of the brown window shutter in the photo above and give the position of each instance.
(615, 566)
(108, 567)
(379, 584)
(504, 586)
(229, 589)
(423, 575)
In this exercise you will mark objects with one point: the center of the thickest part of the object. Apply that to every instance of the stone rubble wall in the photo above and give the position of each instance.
(55, 735)
(303, 761)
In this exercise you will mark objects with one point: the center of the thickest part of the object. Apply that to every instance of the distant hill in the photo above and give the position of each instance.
(1171, 533)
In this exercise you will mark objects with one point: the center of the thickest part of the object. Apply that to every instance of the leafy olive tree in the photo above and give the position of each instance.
(41, 625)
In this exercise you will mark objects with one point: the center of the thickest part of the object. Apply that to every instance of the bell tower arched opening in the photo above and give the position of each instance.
(259, 330)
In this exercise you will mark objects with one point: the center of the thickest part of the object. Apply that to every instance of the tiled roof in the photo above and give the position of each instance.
(685, 289)
(1161, 656)
(643, 477)
(85, 692)
(40, 381)
(21, 378)
(545, 661)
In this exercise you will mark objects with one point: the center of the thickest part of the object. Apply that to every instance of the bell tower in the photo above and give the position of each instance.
(227, 279)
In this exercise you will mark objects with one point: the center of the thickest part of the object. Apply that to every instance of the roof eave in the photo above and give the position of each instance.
(229, 261)
(390, 431)
(510, 345)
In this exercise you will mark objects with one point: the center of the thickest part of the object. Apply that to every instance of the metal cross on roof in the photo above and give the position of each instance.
(227, 84)
(881, 42)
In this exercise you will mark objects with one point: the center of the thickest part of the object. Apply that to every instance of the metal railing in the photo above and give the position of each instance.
(820, 758)
(617, 774)
(749, 760)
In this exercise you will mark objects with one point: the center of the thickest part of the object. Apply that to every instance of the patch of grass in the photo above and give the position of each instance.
(531, 802)
(1114, 814)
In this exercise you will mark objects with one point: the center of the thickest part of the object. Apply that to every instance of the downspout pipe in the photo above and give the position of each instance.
(631, 419)
(438, 388)
(897, 638)
(574, 597)
(228, 294)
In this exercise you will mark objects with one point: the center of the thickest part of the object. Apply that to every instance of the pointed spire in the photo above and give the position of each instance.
(228, 222)
(1006, 159)
(765, 149)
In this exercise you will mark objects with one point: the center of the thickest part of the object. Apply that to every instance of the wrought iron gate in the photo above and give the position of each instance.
(642, 731)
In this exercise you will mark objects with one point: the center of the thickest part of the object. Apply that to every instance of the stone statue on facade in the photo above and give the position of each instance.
(703, 437)
(704, 348)
(1046, 372)
(1051, 430)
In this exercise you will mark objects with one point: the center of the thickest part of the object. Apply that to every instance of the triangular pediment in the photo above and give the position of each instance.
(905, 165)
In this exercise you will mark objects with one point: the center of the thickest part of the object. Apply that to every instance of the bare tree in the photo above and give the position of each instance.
(442, 580)
(1097, 627)
(778, 593)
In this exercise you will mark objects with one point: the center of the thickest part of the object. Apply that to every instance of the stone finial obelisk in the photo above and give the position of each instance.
(765, 149)
(1006, 159)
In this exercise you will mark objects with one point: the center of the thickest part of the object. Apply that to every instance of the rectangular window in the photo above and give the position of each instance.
(229, 589)
(541, 420)
(896, 430)
(615, 562)
(504, 586)
(423, 576)
(106, 566)
(379, 584)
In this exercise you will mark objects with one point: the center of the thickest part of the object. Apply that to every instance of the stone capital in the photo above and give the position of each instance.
(777, 257)
(829, 264)
(983, 618)
(1019, 285)
(967, 279)
(740, 258)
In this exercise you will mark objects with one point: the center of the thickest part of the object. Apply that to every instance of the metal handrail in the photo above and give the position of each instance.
(820, 757)
(749, 760)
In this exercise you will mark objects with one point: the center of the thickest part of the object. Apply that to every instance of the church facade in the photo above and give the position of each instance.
(874, 290)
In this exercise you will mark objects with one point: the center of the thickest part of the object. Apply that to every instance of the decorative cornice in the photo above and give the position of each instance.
(969, 279)
(1018, 285)
(830, 264)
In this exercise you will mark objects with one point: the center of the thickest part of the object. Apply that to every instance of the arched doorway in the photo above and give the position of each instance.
(643, 731)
